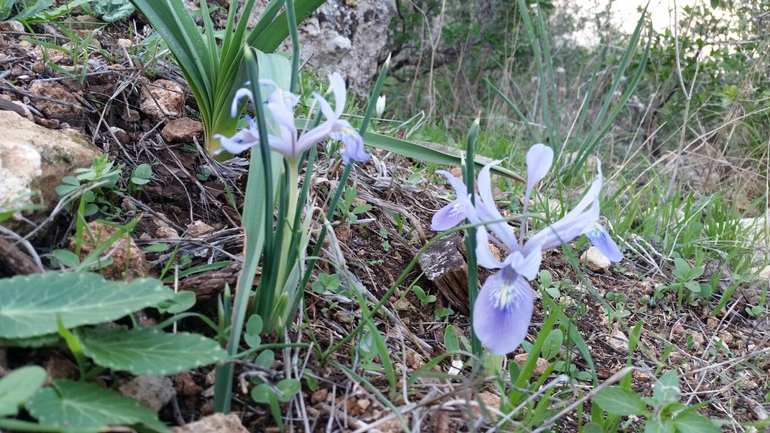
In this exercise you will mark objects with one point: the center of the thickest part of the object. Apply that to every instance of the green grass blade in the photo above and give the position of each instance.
(470, 238)
(373, 98)
(426, 154)
(515, 109)
(277, 31)
(538, 55)
(291, 23)
(596, 133)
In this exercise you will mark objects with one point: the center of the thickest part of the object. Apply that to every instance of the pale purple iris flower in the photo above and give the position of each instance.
(503, 310)
(283, 137)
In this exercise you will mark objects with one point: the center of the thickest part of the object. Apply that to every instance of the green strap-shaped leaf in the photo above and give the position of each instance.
(149, 352)
(79, 406)
(29, 305)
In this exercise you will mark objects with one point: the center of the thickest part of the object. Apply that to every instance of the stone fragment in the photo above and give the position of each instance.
(199, 228)
(120, 134)
(489, 400)
(128, 260)
(217, 423)
(618, 340)
(162, 98)
(319, 396)
(540, 366)
(58, 102)
(595, 260)
(182, 130)
(33, 161)
(153, 392)
(12, 26)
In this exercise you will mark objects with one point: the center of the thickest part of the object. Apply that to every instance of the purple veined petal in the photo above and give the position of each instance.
(484, 255)
(527, 266)
(539, 161)
(565, 230)
(281, 146)
(354, 144)
(238, 143)
(503, 311)
(604, 243)
(448, 216)
(314, 136)
(457, 183)
(326, 109)
(487, 209)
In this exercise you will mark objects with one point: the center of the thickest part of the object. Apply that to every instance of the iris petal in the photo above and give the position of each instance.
(503, 311)
(539, 161)
(448, 216)
(603, 241)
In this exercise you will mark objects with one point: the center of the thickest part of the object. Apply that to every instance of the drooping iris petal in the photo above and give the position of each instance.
(487, 209)
(603, 241)
(455, 212)
(503, 311)
(238, 143)
(484, 255)
(526, 266)
(354, 144)
(539, 161)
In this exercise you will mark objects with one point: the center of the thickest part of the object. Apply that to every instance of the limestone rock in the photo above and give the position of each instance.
(33, 160)
(182, 130)
(59, 103)
(595, 260)
(217, 423)
(343, 36)
(541, 365)
(153, 392)
(162, 98)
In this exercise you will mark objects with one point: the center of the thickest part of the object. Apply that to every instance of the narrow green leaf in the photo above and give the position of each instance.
(19, 385)
(426, 154)
(619, 401)
(79, 405)
(30, 304)
(146, 351)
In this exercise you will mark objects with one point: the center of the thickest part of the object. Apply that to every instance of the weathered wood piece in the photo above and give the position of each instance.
(444, 264)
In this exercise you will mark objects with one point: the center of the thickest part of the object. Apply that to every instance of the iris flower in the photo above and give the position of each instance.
(283, 137)
(503, 310)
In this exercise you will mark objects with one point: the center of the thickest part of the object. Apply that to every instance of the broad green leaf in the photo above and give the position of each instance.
(289, 387)
(658, 425)
(451, 343)
(80, 405)
(30, 304)
(690, 422)
(620, 401)
(181, 302)
(18, 386)
(666, 389)
(146, 351)
(592, 427)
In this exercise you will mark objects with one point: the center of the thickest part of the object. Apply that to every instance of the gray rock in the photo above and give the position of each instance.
(217, 423)
(153, 392)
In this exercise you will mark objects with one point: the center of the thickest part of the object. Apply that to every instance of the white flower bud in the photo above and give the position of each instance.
(379, 107)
